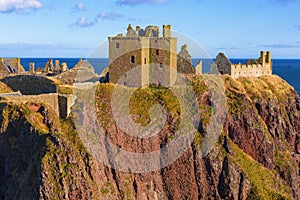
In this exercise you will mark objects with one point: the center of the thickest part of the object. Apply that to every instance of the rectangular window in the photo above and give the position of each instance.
(161, 65)
(145, 60)
(117, 45)
(132, 59)
(157, 52)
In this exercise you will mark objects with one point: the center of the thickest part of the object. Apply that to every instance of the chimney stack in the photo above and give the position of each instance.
(57, 65)
(31, 67)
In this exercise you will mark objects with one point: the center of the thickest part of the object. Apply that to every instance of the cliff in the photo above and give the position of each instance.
(256, 156)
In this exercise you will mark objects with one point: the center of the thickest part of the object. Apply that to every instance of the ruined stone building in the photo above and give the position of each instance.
(49, 68)
(142, 48)
(184, 61)
(10, 66)
(252, 68)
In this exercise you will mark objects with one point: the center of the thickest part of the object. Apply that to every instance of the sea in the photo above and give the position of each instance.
(288, 69)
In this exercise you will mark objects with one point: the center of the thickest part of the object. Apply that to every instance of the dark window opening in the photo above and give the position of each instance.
(161, 65)
(117, 45)
(132, 59)
(145, 60)
(125, 75)
(157, 52)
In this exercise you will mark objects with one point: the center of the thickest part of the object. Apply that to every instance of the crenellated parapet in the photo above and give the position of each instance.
(253, 68)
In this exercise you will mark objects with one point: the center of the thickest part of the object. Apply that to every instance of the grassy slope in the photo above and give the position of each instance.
(4, 88)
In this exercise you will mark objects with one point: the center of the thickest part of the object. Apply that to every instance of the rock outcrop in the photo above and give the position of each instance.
(255, 157)
(221, 65)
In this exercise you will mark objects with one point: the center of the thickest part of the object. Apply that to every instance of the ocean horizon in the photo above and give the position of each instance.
(288, 69)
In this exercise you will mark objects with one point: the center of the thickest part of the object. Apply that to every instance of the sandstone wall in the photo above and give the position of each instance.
(146, 50)
(49, 99)
(60, 104)
(254, 70)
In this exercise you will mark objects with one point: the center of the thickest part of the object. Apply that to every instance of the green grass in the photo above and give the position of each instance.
(284, 163)
(140, 103)
(266, 184)
(64, 89)
(4, 88)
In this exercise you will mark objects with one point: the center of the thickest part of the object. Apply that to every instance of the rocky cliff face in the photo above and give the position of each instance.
(256, 156)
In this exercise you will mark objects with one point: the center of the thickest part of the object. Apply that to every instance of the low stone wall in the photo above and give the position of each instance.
(61, 104)
(50, 99)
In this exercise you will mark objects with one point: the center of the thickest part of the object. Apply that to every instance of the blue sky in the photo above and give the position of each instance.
(67, 28)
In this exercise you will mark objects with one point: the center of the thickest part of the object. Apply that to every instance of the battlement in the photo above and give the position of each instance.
(246, 66)
(253, 68)
(149, 31)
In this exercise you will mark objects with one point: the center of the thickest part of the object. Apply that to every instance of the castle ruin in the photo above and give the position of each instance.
(144, 48)
(10, 66)
(252, 68)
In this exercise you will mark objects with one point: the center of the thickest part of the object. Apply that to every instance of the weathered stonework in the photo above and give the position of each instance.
(49, 66)
(57, 66)
(10, 66)
(199, 67)
(31, 68)
(184, 61)
(138, 50)
(252, 68)
(60, 104)
(3, 69)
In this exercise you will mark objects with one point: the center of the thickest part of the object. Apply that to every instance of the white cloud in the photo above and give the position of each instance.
(78, 7)
(83, 22)
(135, 2)
(19, 5)
(109, 15)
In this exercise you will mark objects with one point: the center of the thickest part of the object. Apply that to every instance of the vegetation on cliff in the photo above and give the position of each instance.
(256, 157)
(4, 88)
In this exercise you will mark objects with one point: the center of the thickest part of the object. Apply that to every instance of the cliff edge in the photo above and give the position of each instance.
(257, 155)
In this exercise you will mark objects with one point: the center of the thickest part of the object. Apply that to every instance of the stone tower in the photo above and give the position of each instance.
(143, 51)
